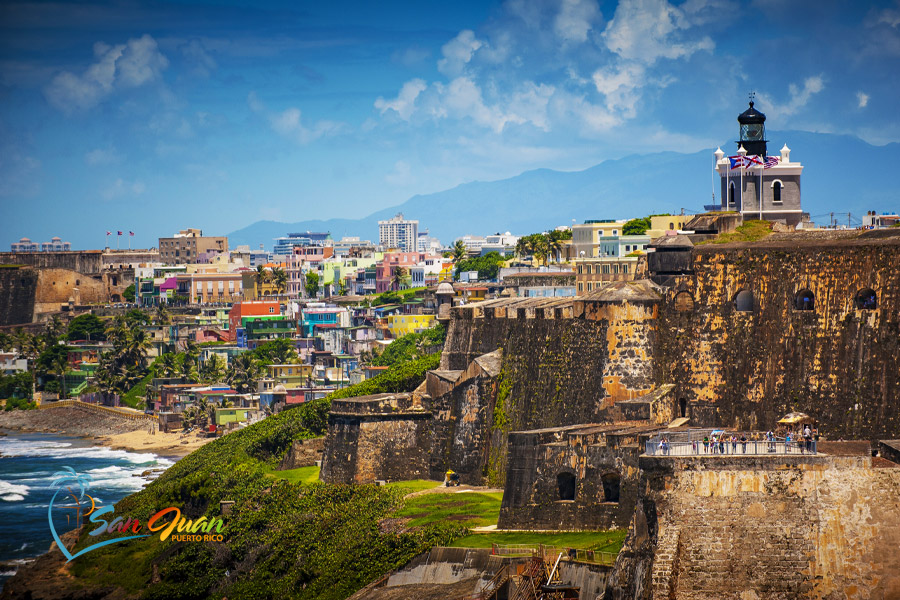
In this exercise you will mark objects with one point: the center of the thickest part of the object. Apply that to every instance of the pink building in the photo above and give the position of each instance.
(384, 273)
(300, 262)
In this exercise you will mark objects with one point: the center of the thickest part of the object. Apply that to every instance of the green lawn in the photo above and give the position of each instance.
(472, 509)
(415, 485)
(303, 475)
(606, 541)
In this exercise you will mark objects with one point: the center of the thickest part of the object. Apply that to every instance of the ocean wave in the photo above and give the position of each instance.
(48, 449)
(7, 573)
(12, 492)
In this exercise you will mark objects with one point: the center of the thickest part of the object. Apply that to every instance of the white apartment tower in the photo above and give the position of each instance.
(398, 233)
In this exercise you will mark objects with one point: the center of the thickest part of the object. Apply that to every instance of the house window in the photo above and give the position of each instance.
(590, 286)
(579, 269)
(271, 309)
(580, 286)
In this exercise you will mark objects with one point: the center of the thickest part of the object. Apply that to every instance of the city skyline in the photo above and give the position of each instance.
(154, 116)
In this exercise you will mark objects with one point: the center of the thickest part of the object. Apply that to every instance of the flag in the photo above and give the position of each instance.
(739, 161)
(771, 161)
(131, 233)
(120, 233)
(754, 161)
(109, 233)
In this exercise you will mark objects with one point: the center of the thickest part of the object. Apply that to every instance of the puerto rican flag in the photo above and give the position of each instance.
(120, 233)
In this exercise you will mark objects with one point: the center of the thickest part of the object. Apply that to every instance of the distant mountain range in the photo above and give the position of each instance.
(841, 174)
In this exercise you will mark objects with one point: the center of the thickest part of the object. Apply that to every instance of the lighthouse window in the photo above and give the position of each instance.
(776, 191)
(731, 193)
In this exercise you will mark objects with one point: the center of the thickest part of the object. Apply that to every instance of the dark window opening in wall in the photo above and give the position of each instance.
(611, 484)
(566, 483)
(684, 302)
(743, 302)
(866, 299)
(804, 300)
(671, 226)
(731, 193)
(682, 406)
(776, 191)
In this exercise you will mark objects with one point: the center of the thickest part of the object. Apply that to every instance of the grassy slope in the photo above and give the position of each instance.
(284, 538)
(472, 509)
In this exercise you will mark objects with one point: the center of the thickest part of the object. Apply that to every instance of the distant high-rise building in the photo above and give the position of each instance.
(186, 245)
(284, 246)
(399, 233)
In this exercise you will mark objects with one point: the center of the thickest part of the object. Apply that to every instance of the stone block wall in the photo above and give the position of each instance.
(763, 527)
(86, 262)
(747, 369)
(18, 287)
(380, 437)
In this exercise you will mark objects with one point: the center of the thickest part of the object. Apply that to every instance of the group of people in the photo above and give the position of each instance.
(727, 443)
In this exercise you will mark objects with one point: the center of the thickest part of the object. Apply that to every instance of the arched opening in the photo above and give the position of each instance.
(116, 298)
(684, 302)
(731, 193)
(776, 191)
(611, 484)
(566, 483)
(804, 300)
(671, 226)
(682, 407)
(866, 299)
(743, 302)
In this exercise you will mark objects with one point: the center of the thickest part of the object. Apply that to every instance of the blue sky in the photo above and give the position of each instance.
(155, 116)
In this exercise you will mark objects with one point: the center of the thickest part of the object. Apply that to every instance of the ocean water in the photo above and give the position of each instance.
(27, 464)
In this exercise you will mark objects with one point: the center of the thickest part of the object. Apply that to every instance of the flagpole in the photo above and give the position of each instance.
(761, 169)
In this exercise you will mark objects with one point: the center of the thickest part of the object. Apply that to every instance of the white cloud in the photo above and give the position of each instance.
(647, 30)
(121, 188)
(198, 59)
(289, 122)
(102, 156)
(401, 175)
(404, 103)
(620, 86)
(862, 99)
(799, 97)
(575, 19)
(890, 16)
(130, 65)
(458, 52)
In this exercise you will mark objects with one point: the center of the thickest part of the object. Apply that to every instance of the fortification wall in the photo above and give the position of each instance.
(747, 369)
(86, 262)
(753, 528)
(18, 287)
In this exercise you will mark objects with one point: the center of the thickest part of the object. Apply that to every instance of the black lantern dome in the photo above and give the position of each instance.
(753, 131)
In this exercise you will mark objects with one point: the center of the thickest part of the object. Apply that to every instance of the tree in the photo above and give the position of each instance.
(636, 226)
(312, 284)
(213, 370)
(459, 251)
(54, 359)
(87, 327)
(262, 276)
(488, 266)
(243, 372)
(398, 277)
(343, 290)
(128, 294)
(275, 352)
(163, 317)
(167, 365)
(279, 277)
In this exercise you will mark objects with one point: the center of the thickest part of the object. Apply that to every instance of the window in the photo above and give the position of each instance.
(804, 300)
(731, 193)
(580, 286)
(606, 269)
(671, 226)
(590, 286)
(776, 191)
(579, 270)
(743, 301)
(682, 407)
(271, 309)
(624, 268)
(611, 485)
(566, 484)
(866, 299)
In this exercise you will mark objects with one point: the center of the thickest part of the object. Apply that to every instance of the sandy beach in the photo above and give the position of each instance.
(103, 430)
(165, 444)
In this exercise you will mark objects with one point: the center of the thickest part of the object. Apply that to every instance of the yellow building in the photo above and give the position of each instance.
(400, 325)
(586, 236)
(660, 225)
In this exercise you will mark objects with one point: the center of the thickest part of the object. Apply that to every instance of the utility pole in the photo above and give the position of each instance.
(832, 221)
(848, 220)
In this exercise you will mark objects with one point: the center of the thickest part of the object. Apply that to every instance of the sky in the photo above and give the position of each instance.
(157, 116)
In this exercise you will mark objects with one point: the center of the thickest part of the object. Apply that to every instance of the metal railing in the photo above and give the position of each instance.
(580, 555)
(728, 448)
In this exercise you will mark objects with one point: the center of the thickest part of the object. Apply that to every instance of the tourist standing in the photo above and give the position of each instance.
(705, 444)
(744, 442)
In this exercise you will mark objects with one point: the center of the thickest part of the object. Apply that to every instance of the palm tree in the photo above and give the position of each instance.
(459, 251)
(279, 277)
(59, 365)
(163, 317)
(242, 373)
(168, 365)
(399, 276)
(213, 370)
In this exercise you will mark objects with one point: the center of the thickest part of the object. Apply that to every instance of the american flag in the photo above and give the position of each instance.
(131, 233)
(771, 161)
